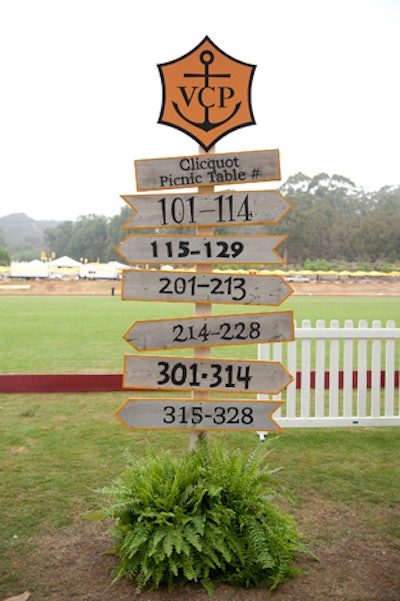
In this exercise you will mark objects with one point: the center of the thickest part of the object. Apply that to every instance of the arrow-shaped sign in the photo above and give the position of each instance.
(191, 210)
(243, 328)
(207, 170)
(179, 414)
(171, 373)
(200, 249)
(186, 286)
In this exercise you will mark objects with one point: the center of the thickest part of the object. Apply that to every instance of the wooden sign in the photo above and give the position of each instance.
(186, 286)
(200, 249)
(179, 414)
(171, 373)
(187, 332)
(207, 170)
(192, 210)
(206, 93)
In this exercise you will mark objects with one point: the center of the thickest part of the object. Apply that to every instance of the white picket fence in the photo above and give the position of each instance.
(344, 376)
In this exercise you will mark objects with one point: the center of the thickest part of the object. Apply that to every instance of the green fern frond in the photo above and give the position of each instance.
(208, 516)
(168, 542)
(178, 540)
(208, 586)
(188, 568)
(192, 538)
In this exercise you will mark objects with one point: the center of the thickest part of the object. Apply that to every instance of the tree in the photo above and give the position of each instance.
(379, 236)
(89, 238)
(57, 239)
(115, 234)
(332, 219)
(5, 257)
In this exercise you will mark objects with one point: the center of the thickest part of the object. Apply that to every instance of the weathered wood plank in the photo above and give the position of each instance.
(207, 170)
(137, 249)
(186, 286)
(179, 414)
(243, 328)
(171, 373)
(251, 207)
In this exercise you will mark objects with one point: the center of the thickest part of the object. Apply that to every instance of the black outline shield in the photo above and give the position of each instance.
(206, 94)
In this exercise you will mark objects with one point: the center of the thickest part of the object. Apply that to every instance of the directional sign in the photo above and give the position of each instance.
(207, 170)
(234, 208)
(138, 284)
(243, 328)
(171, 373)
(178, 414)
(200, 249)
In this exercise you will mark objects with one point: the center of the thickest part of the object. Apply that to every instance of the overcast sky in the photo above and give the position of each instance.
(81, 93)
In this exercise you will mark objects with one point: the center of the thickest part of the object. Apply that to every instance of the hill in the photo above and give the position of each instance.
(22, 235)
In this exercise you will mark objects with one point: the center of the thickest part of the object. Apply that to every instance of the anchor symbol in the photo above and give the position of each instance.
(206, 58)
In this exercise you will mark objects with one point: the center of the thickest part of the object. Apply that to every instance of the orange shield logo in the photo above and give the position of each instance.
(206, 94)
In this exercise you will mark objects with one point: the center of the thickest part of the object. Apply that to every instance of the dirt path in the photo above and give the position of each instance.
(347, 287)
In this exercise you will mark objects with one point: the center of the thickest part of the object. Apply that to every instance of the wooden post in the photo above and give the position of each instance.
(202, 309)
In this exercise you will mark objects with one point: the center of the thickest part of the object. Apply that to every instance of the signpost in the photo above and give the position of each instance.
(250, 207)
(178, 414)
(200, 249)
(171, 373)
(206, 94)
(242, 328)
(207, 287)
(205, 170)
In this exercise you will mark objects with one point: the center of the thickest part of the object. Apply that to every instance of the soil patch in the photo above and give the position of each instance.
(354, 564)
(335, 287)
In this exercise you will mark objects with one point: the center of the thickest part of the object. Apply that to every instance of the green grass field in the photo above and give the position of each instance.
(50, 334)
(56, 449)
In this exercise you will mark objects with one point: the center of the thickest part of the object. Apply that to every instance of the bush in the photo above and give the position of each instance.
(385, 267)
(365, 266)
(207, 517)
(317, 265)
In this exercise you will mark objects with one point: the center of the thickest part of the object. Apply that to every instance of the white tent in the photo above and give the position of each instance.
(118, 265)
(64, 262)
(32, 269)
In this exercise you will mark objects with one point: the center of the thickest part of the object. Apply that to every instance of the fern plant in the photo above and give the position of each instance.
(207, 517)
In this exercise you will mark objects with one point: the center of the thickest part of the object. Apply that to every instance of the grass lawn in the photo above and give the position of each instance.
(57, 449)
(84, 334)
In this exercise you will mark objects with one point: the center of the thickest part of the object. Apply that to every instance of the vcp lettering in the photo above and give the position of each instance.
(207, 96)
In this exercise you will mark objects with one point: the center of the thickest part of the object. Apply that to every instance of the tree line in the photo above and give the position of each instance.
(331, 220)
(340, 223)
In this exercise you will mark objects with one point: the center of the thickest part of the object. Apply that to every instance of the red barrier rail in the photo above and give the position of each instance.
(31, 383)
(60, 383)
